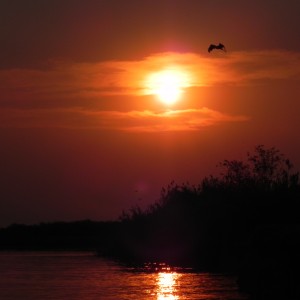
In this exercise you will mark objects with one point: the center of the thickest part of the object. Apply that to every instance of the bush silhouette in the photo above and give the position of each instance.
(208, 226)
(245, 220)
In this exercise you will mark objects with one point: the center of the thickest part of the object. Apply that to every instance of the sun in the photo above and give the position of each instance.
(168, 85)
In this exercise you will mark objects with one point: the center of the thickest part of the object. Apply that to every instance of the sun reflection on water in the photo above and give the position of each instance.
(167, 286)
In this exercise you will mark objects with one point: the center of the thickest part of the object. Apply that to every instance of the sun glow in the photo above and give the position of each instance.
(168, 85)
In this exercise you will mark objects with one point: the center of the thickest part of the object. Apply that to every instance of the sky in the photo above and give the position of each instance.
(85, 132)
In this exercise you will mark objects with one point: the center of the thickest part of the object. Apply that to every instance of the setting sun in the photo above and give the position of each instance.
(168, 85)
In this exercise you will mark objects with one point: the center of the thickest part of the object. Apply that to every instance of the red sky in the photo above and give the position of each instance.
(81, 135)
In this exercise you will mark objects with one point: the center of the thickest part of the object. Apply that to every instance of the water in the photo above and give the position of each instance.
(74, 276)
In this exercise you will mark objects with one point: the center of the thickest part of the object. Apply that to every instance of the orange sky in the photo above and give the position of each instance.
(82, 136)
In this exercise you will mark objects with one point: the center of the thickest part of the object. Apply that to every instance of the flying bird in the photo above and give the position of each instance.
(219, 47)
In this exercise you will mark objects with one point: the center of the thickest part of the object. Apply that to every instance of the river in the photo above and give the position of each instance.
(84, 276)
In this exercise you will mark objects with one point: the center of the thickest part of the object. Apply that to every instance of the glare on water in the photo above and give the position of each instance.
(84, 276)
(166, 286)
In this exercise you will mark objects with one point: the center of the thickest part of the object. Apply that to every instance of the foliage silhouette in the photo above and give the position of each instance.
(215, 225)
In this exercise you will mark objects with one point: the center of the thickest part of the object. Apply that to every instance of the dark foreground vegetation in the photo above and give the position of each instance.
(245, 221)
(83, 235)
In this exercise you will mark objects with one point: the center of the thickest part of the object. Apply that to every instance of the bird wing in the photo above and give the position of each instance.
(211, 47)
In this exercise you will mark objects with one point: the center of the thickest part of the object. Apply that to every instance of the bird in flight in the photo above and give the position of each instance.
(219, 47)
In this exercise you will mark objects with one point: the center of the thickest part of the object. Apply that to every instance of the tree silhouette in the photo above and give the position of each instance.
(266, 168)
(207, 225)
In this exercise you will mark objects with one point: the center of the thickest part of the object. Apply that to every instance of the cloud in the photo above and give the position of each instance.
(131, 121)
(94, 80)
(176, 120)
(72, 95)
(250, 67)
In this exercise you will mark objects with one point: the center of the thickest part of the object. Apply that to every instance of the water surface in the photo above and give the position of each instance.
(84, 276)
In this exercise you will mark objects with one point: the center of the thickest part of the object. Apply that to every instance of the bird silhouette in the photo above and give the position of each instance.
(219, 47)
